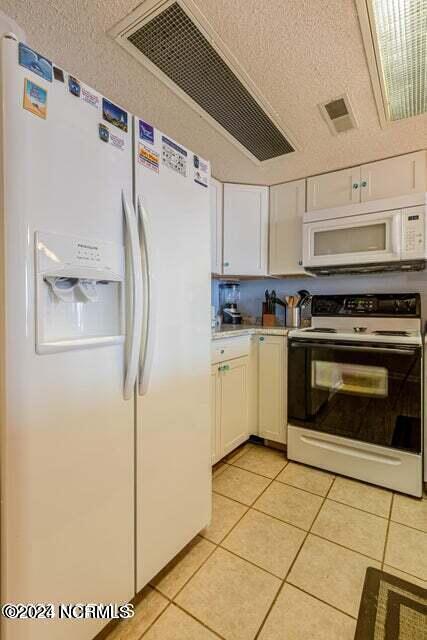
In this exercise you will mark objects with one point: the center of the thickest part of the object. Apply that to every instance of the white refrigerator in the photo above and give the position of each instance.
(104, 347)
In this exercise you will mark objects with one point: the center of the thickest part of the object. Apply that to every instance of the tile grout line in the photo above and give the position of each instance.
(291, 567)
(217, 546)
(218, 635)
(283, 580)
(313, 493)
(155, 619)
(386, 533)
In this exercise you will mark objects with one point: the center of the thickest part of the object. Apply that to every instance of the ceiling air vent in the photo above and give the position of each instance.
(338, 115)
(171, 41)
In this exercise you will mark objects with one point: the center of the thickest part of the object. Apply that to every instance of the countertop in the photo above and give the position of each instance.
(230, 330)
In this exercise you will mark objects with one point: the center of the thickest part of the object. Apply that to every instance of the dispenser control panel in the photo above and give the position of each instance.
(88, 252)
(59, 255)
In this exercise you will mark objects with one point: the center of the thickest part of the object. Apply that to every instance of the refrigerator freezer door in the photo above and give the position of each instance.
(173, 417)
(67, 433)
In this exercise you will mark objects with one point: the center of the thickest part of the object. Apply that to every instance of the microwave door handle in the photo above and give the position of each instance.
(396, 234)
(135, 301)
(341, 347)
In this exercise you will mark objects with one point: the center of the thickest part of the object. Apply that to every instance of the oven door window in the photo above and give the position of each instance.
(355, 379)
(368, 393)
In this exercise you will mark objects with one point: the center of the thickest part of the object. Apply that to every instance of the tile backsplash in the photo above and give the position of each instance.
(252, 291)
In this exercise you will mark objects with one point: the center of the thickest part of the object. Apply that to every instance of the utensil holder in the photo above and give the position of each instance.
(293, 317)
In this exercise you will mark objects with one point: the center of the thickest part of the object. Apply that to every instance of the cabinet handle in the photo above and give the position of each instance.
(226, 264)
(226, 367)
(261, 339)
(222, 350)
(355, 185)
(364, 183)
(300, 263)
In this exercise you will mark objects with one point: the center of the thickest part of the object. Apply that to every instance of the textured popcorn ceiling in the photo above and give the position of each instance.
(298, 52)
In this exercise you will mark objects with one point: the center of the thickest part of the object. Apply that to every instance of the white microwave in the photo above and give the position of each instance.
(371, 242)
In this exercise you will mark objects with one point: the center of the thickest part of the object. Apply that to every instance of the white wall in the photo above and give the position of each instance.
(252, 291)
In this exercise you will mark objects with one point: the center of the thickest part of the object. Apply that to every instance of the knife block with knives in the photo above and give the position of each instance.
(269, 309)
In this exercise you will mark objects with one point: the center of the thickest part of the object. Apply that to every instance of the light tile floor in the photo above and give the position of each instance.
(284, 557)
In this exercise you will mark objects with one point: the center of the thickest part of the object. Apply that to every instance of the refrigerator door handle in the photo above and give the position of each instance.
(136, 303)
(146, 354)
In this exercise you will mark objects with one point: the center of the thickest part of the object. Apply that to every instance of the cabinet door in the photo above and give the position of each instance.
(245, 230)
(287, 205)
(398, 176)
(272, 392)
(333, 189)
(234, 404)
(216, 225)
(215, 414)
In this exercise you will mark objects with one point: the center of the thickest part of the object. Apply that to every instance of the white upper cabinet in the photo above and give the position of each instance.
(216, 225)
(333, 189)
(287, 205)
(391, 178)
(245, 230)
(394, 177)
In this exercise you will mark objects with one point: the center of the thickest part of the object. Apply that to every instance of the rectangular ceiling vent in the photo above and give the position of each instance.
(173, 43)
(338, 115)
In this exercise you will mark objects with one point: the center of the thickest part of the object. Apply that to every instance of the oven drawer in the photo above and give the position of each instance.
(390, 468)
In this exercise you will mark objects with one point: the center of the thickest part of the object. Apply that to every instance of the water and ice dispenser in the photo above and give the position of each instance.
(79, 293)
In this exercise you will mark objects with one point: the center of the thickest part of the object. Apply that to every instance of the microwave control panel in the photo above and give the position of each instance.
(413, 236)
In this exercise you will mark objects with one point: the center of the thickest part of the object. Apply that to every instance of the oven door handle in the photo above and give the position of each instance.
(338, 347)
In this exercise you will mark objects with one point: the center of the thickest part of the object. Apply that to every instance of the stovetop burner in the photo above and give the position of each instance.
(392, 333)
(321, 330)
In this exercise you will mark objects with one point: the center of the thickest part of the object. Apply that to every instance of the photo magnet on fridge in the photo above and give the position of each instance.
(114, 115)
(103, 132)
(35, 99)
(146, 131)
(34, 62)
(58, 74)
(74, 86)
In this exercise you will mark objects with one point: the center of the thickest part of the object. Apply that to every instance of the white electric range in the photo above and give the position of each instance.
(355, 389)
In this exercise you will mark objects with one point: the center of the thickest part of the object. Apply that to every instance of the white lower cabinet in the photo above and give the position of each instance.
(272, 388)
(230, 405)
(248, 392)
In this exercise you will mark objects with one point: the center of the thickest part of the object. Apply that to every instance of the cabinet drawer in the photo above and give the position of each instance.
(229, 348)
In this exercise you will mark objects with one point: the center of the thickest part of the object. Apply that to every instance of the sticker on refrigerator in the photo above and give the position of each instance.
(200, 164)
(200, 171)
(35, 99)
(146, 131)
(34, 62)
(90, 98)
(116, 141)
(103, 132)
(174, 156)
(148, 158)
(200, 178)
(58, 74)
(74, 86)
(114, 115)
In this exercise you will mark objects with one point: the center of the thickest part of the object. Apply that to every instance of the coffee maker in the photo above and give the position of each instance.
(229, 297)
